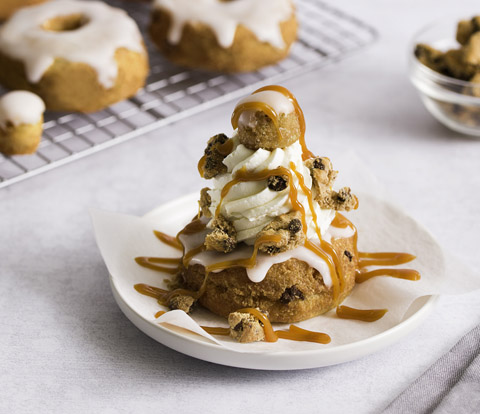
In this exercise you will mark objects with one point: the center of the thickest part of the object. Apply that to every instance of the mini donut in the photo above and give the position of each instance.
(21, 120)
(76, 55)
(228, 36)
(292, 291)
(8, 7)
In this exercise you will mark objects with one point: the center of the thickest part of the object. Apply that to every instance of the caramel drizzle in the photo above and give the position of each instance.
(150, 263)
(272, 114)
(406, 274)
(365, 315)
(169, 240)
(383, 259)
(335, 267)
(223, 149)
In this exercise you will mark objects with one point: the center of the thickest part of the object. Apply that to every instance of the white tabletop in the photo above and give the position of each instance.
(66, 347)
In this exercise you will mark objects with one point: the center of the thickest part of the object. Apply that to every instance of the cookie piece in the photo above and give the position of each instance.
(472, 51)
(279, 293)
(466, 28)
(259, 131)
(223, 237)
(456, 66)
(213, 164)
(323, 177)
(205, 202)
(245, 327)
(182, 302)
(289, 227)
(430, 57)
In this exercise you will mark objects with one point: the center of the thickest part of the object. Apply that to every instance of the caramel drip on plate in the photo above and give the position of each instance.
(365, 315)
(295, 333)
(383, 259)
(160, 313)
(215, 330)
(406, 274)
(150, 263)
(271, 113)
(170, 240)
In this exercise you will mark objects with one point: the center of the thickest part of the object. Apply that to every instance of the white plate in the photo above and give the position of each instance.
(174, 215)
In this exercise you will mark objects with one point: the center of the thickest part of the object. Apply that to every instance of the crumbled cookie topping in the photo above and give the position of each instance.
(245, 327)
(323, 177)
(289, 227)
(223, 237)
(214, 158)
(205, 202)
(182, 302)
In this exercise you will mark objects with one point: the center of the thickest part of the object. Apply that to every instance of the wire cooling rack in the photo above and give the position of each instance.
(172, 93)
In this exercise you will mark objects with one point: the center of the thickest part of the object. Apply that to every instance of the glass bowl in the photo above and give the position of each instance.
(455, 103)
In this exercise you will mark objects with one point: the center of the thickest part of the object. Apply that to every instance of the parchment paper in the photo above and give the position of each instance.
(381, 227)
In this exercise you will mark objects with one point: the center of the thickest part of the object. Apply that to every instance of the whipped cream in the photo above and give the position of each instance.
(20, 107)
(263, 18)
(250, 206)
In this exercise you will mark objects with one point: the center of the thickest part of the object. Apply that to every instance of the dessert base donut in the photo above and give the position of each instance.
(21, 122)
(292, 291)
(85, 57)
(228, 36)
(8, 7)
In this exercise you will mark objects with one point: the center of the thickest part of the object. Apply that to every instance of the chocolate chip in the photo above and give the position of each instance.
(273, 249)
(277, 182)
(318, 163)
(295, 226)
(291, 293)
(348, 254)
(238, 327)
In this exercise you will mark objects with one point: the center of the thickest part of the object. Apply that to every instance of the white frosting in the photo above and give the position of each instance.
(250, 206)
(20, 107)
(107, 29)
(262, 17)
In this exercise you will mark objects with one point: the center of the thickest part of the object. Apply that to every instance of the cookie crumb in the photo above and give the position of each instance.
(214, 158)
(289, 227)
(182, 302)
(223, 237)
(245, 327)
(205, 202)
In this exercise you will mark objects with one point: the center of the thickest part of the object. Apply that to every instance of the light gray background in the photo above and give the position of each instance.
(66, 347)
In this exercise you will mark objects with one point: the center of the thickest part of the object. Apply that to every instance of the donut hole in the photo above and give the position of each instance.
(65, 23)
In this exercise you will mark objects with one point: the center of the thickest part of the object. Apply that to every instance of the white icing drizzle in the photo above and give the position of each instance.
(20, 107)
(338, 233)
(95, 43)
(262, 17)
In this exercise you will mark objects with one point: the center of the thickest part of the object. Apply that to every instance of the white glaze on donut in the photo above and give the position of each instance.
(20, 107)
(261, 17)
(95, 43)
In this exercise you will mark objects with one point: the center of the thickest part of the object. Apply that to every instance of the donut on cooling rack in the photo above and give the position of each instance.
(8, 7)
(78, 56)
(224, 35)
(21, 119)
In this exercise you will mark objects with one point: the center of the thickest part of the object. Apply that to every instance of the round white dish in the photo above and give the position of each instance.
(174, 214)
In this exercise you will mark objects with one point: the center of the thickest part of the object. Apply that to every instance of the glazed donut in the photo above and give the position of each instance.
(8, 7)
(77, 55)
(21, 120)
(229, 35)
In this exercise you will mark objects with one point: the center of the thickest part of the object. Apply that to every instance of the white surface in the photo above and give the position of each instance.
(121, 238)
(66, 346)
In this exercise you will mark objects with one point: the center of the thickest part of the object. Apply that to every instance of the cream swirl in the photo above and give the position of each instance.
(251, 205)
